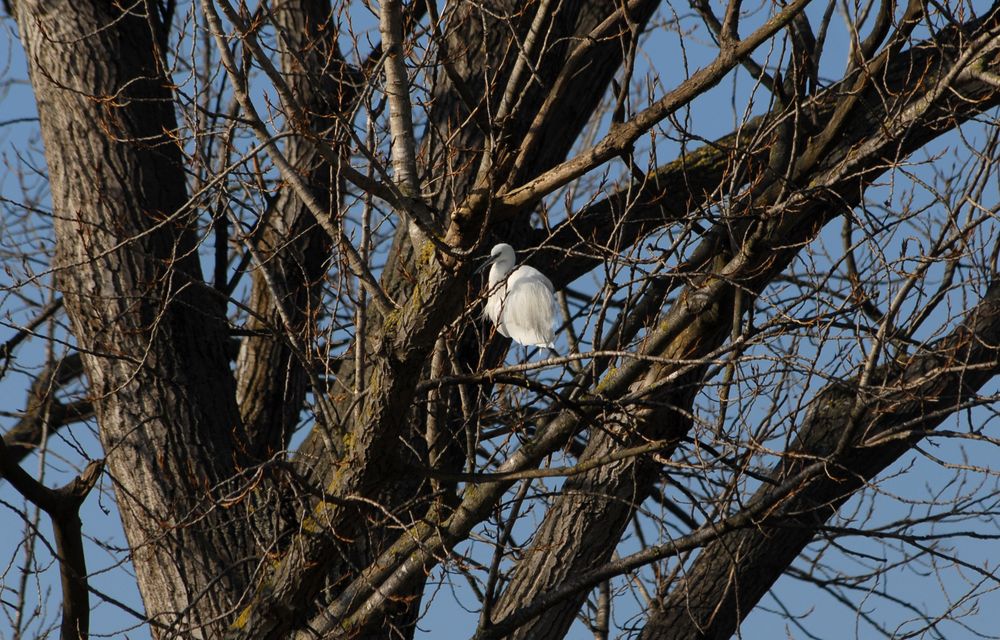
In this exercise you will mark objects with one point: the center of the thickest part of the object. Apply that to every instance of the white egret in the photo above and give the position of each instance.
(521, 303)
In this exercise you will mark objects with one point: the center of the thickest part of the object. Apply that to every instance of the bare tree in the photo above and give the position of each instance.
(246, 268)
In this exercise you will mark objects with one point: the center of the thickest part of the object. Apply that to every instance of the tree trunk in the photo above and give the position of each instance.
(152, 335)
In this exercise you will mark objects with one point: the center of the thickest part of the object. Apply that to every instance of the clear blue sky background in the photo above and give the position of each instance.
(454, 610)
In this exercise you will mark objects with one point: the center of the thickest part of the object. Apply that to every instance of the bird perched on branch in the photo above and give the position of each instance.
(521, 303)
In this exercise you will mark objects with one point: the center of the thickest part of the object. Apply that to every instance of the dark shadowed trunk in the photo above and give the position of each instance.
(152, 335)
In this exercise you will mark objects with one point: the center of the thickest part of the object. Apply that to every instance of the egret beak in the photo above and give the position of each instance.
(489, 262)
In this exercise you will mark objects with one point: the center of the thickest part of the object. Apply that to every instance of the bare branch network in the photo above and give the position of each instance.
(245, 336)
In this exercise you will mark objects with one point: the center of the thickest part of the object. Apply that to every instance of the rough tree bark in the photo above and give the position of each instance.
(569, 542)
(151, 334)
(735, 571)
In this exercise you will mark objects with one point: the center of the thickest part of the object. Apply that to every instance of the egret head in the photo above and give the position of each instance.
(502, 256)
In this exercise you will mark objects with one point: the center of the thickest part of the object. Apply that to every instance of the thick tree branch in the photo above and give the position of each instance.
(386, 401)
(397, 89)
(935, 107)
(44, 412)
(292, 250)
(750, 549)
(620, 138)
(685, 335)
(288, 173)
(915, 396)
(63, 507)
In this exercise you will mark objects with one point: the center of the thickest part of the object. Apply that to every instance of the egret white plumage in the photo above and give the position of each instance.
(521, 303)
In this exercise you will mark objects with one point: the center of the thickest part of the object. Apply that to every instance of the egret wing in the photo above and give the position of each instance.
(529, 308)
